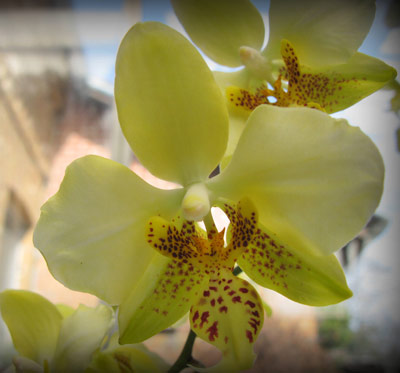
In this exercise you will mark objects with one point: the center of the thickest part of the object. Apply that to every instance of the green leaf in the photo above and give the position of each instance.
(314, 180)
(81, 334)
(220, 28)
(169, 106)
(323, 32)
(91, 232)
(34, 324)
(164, 295)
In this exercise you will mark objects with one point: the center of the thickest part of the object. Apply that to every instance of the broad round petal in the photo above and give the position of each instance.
(34, 324)
(315, 180)
(170, 108)
(91, 232)
(220, 28)
(323, 32)
(81, 334)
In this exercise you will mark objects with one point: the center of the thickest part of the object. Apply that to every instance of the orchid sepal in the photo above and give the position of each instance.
(165, 110)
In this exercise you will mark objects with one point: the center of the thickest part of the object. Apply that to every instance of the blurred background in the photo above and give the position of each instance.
(56, 104)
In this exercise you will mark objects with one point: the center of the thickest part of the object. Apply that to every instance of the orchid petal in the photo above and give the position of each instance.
(95, 224)
(220, 28)
(174, 119)
(323, 32)
(333, 88)
(81, 334)
(34, 324)
(229, 315)
(305, 278)
(314, 180)
(164, 295)
(297, 274)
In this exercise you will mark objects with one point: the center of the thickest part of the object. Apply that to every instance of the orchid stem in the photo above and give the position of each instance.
(185, 357)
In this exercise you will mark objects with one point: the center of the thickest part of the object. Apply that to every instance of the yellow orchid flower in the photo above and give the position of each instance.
(306, 182)
(310, 59)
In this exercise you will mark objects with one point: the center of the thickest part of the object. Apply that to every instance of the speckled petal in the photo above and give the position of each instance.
(323, 32)
(314, 180)
(298, 275)
(164, 295)
(170, 109)
(333, 88)
(34, 324)
(220, 28)
(229, 315)
(95, 225)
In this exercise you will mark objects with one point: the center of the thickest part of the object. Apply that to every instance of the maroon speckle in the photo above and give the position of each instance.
(195, 316)
(213, 330)
(223, 309)
(243, 290)
(250, 303)
(204, 318)
(237, 299)
(254, 324)
(249, 336)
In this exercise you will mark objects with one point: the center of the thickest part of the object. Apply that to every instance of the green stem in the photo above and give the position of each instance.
(185, 357)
